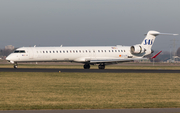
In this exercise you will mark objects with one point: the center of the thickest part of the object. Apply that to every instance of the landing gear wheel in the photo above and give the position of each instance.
(86, 66)
(15, 66)
(101, 66)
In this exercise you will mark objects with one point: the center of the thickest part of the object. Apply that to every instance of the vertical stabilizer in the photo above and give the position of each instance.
(149, 40)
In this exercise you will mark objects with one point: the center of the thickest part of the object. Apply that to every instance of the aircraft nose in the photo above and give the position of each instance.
(9, 59)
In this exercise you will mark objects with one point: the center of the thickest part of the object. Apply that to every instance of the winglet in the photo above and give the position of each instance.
(156, 55)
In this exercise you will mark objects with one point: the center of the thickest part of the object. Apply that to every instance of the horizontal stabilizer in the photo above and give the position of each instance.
(157, 33)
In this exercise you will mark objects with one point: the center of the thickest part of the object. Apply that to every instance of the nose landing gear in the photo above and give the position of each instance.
(15, 65)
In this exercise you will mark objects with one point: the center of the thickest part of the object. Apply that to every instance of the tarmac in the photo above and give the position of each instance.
(89, 70)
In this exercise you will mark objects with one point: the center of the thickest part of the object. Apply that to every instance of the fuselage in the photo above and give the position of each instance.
(71, 54)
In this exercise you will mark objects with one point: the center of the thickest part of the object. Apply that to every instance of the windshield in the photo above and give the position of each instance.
(19, 51)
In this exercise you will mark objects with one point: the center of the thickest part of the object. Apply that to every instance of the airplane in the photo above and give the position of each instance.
(88, 55)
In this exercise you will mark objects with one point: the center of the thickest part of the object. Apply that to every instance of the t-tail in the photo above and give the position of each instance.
(145, 47)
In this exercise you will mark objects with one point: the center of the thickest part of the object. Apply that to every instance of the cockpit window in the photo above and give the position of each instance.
(16, 51)
(19, 51)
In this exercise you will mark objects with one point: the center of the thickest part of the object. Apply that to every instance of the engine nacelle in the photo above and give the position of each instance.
(137, 49)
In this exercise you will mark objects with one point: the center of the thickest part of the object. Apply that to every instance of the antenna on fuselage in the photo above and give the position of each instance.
(34, 45)
(61, 45)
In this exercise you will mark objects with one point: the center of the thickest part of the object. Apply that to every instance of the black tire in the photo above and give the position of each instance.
(15, 66)
(86, 66)
(101, 66)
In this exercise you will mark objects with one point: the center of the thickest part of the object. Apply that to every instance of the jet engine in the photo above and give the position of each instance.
(137, 49)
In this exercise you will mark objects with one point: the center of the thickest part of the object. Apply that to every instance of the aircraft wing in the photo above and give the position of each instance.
(156, 55)
(114, 60)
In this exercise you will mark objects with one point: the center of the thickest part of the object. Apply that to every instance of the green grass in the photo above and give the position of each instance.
(88, 91)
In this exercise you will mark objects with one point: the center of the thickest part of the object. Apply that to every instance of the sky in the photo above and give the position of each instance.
(25, 23)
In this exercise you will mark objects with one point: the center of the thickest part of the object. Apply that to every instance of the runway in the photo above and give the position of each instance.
(147, 110)
(89, 70)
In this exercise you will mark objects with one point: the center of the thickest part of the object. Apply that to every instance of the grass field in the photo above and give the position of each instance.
(88, 91)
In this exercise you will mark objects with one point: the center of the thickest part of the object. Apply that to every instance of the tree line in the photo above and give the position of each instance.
(5, 52)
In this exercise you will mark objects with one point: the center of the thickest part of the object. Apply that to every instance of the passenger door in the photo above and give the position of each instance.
(31, 54)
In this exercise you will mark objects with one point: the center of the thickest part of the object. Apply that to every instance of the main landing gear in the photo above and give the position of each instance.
(101, 66)
(15, 65)
(86, 66)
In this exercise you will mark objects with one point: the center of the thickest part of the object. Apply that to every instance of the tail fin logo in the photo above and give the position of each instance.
(148, 41)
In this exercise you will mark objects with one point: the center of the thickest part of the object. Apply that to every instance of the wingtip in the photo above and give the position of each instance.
(156, 55)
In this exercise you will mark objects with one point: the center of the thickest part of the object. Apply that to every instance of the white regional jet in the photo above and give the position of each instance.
(88, 55)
